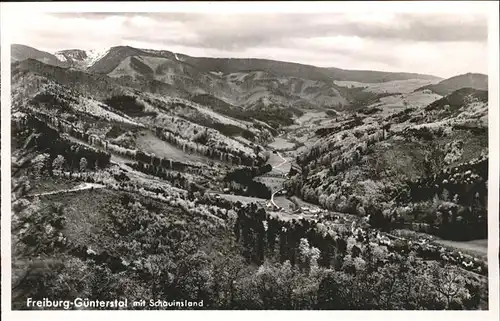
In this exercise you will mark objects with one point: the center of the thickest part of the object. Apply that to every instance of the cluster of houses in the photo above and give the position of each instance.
(315, 211)
(312, 211)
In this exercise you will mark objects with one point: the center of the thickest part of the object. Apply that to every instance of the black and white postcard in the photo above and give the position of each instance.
(183, 157)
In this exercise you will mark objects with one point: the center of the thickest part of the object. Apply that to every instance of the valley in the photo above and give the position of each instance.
(246, 183)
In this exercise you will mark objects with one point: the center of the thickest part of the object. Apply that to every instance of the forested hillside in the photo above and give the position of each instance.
(245, 184)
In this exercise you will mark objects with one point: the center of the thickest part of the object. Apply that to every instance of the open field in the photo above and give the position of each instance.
(283, 202)
(149, 143)
(310, 117)
(396, 86)
(397, 103)
(281, 144)
(480, 247)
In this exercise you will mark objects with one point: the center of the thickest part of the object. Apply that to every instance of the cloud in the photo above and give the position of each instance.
(246, 30)
(345, 40)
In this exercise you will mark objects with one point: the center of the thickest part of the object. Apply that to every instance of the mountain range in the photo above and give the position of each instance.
(106, 60)
(468, 80)
(230, 85)
(247, 83)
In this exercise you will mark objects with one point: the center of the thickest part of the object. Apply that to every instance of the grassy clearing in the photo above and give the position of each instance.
(398, 102)
(149, 143)
(477, 247)
(395, 86)
(283, 202)
(281, 144)
(310, 117)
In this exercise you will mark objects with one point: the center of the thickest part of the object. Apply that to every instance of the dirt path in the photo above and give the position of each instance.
(80, 187)
(279, 189)
(283, 163)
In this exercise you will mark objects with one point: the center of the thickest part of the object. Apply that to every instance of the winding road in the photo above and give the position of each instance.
(279, 190)
(272, 199)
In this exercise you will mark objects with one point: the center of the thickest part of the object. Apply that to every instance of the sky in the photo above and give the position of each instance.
(440, 44)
